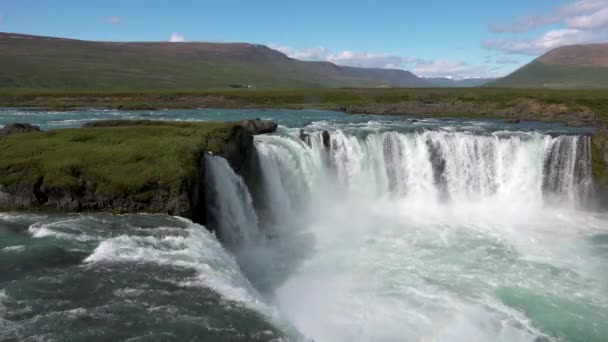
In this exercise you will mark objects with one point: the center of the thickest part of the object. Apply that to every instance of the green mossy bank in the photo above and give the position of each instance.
(119, 166)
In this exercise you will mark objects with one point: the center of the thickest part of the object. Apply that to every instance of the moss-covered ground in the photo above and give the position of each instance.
(120, 159)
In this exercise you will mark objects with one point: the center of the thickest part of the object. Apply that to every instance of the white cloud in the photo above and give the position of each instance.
(550, 40)
(350, 58)
(113, 20)
(366, 59)
(577, 15)
(176, 38)
(315, 53)
(371, 59)
(595, 20)
(578, 22)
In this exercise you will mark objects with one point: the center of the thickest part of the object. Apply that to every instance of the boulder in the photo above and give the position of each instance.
(513, 120)
(18, 128)
(305, 137)
(258, 126)
(326, 139)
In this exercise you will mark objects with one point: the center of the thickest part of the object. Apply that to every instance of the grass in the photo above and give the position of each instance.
(111, 160)
(501, 98)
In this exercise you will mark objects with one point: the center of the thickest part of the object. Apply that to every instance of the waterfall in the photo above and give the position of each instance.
(566, 167)
(436, 165)
(230, 205)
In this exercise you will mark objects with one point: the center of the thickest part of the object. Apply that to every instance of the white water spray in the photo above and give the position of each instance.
(230, 203)
(421, 235)
(440, 165)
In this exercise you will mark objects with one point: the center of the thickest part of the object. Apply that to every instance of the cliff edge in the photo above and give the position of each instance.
(120, 166)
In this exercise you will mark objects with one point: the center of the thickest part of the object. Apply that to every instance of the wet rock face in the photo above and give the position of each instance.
(17, 128)
(326, 140)
(305, 138)
(258, 126)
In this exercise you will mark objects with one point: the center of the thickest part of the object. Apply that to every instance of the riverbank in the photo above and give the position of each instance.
(120, 166)
(578, 108)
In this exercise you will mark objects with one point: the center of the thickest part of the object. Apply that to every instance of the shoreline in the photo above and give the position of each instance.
(575, 108)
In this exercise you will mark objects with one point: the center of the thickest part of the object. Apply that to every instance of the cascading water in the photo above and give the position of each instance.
(566, 167)
(399, 230)
(433, 235)
(458, 166)
(229, 203)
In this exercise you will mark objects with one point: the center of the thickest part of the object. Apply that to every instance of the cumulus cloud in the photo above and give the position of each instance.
(176, 38)
(113, 20)
(366, 59)
(314, 53)
(578, 22)
(577, 15)
(594, 20)
(550, 40)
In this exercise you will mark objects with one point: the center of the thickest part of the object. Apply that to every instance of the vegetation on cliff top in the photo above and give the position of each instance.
(135, 158)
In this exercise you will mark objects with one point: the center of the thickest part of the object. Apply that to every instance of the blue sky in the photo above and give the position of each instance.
(466, 38)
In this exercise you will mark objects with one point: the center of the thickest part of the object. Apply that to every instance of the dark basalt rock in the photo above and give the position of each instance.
(258, 126)
(305, 137)
(18, 128)
(513, 121)
(326, 140)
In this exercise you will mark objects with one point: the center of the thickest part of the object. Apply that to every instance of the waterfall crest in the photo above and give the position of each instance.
(432, 165)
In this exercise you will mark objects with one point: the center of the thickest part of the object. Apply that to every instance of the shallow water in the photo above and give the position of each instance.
(429, 230)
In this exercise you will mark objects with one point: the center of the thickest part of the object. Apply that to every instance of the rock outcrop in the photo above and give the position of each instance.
(17, 128)
(258, 126)
(326, 140)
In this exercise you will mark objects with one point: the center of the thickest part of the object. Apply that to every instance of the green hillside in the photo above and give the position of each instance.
(567, 67)
(542, 75)
(34, 63)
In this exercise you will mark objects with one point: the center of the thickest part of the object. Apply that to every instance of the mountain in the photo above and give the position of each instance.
(567, 67)
(57, 64)
(465, 82)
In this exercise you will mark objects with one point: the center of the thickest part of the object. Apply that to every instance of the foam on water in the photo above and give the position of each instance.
(42, 230)
(14, 249)
(426, 235)
(198, 250)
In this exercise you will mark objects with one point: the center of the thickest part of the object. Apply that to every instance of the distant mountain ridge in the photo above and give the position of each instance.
(45, 63)
(566, 67)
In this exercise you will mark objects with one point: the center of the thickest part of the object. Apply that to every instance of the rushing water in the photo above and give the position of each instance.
(400, 230)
